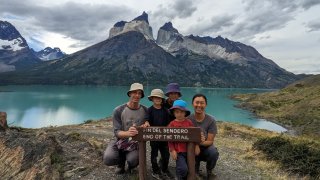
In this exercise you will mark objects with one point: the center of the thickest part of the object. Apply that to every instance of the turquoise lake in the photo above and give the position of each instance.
(40, 106)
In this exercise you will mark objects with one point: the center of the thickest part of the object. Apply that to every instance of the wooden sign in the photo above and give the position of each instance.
(190, 134)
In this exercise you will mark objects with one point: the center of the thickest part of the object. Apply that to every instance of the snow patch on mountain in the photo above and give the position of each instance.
(12, 45)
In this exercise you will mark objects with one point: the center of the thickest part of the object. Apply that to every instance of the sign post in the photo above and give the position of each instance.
(190, 135)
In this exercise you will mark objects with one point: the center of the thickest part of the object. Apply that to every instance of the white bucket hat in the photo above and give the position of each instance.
(134, 87)
(156, 93)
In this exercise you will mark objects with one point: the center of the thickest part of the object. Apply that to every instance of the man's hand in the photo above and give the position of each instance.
(132, 131)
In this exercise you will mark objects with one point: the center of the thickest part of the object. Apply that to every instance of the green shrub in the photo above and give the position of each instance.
(56, 158)
(298, 157)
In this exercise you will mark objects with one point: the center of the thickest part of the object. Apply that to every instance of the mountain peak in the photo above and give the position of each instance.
(167, 34)
(142, 17)
(138, 24)
(10, 38)
(168, 27)
(49, 54)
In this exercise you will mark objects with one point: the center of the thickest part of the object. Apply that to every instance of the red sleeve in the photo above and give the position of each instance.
(192, 125)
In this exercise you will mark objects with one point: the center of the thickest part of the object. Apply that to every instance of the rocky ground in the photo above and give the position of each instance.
(75, 152)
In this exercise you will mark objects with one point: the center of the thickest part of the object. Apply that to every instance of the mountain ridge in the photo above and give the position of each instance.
(131, 54)
(49, 53)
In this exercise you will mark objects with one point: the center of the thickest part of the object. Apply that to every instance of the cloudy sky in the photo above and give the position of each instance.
(286, 31)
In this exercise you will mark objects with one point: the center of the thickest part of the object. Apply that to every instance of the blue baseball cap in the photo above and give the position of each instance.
(180, 104)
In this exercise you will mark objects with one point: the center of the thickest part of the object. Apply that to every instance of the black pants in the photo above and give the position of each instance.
(164, 151)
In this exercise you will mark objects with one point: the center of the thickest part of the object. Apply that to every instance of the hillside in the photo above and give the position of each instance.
(296, 106)
(75, 152)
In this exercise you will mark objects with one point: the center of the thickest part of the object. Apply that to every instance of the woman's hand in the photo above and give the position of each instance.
(203, 138)
(173, 154)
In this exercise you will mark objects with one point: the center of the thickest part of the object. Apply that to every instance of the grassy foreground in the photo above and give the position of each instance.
(75, 152)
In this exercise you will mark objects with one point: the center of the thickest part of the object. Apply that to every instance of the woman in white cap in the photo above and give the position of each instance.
(125, 119)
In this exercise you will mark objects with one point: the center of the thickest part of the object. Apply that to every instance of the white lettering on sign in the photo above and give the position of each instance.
(156, 130)
(180, 131)
(181, 137)
(168, 134)
(147, 136)
(147, 130)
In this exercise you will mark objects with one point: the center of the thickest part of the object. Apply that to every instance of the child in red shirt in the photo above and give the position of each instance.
(178, 150)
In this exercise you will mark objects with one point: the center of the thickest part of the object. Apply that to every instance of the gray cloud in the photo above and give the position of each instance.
(85, 22)
(215, 26)
(306, 4)
(258, 17)
(180, 8)
(262, 16)
(184, 8)
(313, 25)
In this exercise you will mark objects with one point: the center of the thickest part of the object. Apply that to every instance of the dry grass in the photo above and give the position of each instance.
(235, 142)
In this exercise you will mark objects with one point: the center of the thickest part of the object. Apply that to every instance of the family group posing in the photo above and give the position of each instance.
(170, 112)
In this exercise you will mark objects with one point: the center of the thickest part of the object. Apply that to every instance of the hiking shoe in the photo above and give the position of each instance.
(157, 175)
(120, 170)
(168, 174)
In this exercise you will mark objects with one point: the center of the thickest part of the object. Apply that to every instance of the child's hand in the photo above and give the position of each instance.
(197, 150)
(173, 154)
(145, 124)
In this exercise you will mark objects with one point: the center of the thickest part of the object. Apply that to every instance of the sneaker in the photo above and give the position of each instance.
(157, 175)
(120, 170)
(168, 174)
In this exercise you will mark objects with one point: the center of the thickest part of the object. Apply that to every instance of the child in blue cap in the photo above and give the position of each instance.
(178, 150)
